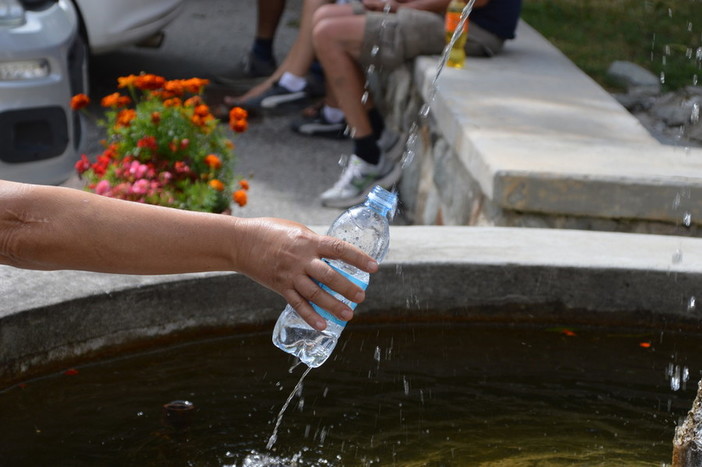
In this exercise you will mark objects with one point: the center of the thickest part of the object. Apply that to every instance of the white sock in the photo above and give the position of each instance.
(292, 82)
(332, 114)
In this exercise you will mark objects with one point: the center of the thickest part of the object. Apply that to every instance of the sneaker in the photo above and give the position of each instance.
(318, 125)
(275, 97)
(358, 178)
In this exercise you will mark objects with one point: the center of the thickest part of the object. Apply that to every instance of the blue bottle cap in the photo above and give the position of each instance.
(385, 200)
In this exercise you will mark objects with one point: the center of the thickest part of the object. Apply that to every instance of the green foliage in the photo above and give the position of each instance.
(663, 36)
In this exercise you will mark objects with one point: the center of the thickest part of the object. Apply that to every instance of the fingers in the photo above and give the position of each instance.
(335, 248)
(308, 291)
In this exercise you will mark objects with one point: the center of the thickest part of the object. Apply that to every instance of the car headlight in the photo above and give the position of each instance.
(24, 70)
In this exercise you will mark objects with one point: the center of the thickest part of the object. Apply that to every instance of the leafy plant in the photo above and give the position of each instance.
(164, 146)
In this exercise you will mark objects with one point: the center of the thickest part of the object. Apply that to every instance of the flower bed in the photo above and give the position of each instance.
(163, 146)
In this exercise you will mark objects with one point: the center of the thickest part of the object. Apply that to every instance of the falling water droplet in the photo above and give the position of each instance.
(364, 98)
(674, 374)
(374, 50)
(677, 256)
(405, 383)
(676, 201)
(376, 356)
(424, 111)
(695, 113)
(343, 160)
(691, 304)
(687, 219)
(662, 77)
(371, 69)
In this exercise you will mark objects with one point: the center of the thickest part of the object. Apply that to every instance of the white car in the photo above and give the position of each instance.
(42, 64)
(44, 48)
(111, 24)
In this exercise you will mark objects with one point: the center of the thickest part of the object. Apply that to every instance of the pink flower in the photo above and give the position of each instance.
(140, 187)
(138, 170)
(103, 188)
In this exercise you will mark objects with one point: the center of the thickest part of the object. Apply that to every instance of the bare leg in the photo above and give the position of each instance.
(337, 38)
(269, 14)
(299, 57)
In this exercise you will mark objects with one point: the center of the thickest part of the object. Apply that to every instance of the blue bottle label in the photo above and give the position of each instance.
(324, 313)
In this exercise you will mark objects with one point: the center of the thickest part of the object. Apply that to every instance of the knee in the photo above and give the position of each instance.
(323, 12)
(323, 33)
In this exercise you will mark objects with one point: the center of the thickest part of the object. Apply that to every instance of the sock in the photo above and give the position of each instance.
(332, 114)
(292, 82)
(377, 122)
(263, 48)
(367, 149)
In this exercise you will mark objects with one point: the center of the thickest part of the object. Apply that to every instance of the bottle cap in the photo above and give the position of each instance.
(384, 199)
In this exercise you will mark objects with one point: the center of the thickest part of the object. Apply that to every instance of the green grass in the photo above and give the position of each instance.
(662, 36)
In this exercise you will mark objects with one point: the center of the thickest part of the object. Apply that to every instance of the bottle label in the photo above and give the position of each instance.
(324, 313)
(452, 20)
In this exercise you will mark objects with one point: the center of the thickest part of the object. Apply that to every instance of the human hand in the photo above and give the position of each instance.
(287, 257)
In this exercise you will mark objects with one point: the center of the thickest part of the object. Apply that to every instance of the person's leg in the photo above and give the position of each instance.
(346, 46)
(261, 60)
(296, 63)
(337, 38)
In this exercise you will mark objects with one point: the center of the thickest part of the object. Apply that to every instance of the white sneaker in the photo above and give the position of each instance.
(358, 178)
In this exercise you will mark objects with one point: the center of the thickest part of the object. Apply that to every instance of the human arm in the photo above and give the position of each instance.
(50, 228)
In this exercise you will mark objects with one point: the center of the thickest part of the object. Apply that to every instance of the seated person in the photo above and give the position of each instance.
(344, 38)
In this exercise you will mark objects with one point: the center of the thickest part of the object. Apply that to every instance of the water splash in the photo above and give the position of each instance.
(687, 219)
(298, 387)
(677, 256)
(691, 304)
(678, 376)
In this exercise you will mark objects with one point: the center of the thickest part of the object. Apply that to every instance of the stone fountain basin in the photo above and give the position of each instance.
(52, 319)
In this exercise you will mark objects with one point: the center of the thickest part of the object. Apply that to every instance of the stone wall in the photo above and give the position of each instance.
(441, 186)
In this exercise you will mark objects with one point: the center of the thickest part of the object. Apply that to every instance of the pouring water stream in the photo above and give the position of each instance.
(406, 158)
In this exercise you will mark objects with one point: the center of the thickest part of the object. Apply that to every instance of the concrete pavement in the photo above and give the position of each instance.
(287, 171)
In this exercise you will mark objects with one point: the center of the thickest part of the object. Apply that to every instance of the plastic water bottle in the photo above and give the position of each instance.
(365, 226)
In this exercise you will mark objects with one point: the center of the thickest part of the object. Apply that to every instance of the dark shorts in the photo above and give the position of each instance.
(391, 39)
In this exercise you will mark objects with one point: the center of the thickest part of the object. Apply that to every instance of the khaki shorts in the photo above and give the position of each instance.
(398, 37)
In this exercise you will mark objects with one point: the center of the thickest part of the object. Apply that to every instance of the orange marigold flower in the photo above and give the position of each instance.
(155, 118)
(244, 184)
(126, 81)
(202, 110)
(195, 85)
(125, 117)
(193, 101)
(173, 102)
(175, 86)
(149, 82)
(216, 185)
(645, 345)
(240, 197)
(115, 100)
(213, 161)
(79, 101)
(237, 113)
(239, 126)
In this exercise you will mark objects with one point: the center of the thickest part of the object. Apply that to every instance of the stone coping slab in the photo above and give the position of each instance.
(489, 274)
(539, 135)
(420, 246)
